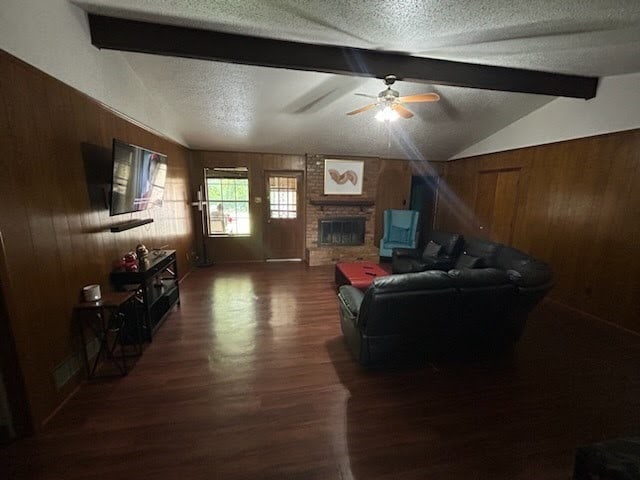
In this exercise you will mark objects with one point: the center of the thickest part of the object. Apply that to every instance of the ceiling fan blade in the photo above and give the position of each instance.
(422, 97)
(365, 95)
(403, 112)
(363, 109)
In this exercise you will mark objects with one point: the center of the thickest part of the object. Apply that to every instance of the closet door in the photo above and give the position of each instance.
(496, 203)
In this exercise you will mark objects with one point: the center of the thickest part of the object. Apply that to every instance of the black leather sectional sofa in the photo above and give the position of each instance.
(472, 296)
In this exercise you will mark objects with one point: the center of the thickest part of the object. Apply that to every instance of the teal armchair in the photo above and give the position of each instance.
(400, 230)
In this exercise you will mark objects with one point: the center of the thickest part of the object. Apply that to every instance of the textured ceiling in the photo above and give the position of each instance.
(224, 106)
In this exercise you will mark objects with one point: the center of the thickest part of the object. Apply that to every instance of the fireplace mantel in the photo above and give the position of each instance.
(340, 201)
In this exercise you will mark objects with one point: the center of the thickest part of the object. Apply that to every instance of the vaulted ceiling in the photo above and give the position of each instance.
(226, 106)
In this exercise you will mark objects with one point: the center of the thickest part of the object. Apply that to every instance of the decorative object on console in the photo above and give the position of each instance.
(142, 251)
(343, 177)
(143, 255)
(118, 265)
(130, 262)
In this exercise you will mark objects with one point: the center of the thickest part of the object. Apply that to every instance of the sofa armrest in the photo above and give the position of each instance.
(351, 298)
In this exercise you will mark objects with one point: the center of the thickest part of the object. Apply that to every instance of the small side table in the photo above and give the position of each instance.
(106, 316)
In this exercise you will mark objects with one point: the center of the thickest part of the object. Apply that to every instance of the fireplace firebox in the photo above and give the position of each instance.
(341, 231)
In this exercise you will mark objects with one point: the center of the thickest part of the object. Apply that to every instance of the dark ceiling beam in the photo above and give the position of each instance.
(168, 40)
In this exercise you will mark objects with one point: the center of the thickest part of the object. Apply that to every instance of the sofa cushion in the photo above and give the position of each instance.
(451, 242)
(403, 218)
(469, 261)
(478, 277)
(483, 248)
(398, 235)
(414, 265)
(432, 249)
(405, 282)
(407, 265)
(438, 263)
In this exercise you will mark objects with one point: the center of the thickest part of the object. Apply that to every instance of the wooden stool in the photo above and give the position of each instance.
(107, 317)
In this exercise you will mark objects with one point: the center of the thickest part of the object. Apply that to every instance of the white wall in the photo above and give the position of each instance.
(616, 107)
(53, 35)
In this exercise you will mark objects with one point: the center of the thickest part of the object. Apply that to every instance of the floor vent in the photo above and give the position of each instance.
(71, 365)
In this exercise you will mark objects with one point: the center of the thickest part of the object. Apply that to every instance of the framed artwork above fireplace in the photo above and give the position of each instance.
(343, 177)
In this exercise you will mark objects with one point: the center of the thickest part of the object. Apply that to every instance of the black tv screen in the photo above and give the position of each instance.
(138, 178)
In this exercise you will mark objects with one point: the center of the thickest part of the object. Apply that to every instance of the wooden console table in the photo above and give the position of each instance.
(155, 285)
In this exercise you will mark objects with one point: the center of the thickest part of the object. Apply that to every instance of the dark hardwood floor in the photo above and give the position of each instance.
(250, 379)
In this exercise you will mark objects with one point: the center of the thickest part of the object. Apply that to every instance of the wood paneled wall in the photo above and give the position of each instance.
(251, 248)
(392, 190)
(394, 186)
(53, 142)
(576, 205)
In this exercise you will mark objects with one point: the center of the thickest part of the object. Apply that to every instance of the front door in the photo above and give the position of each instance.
(284, 228)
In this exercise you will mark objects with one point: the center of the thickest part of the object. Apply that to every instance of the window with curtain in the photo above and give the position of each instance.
(228, 201)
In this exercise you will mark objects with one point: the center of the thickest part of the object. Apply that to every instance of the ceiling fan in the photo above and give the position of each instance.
(392, 102)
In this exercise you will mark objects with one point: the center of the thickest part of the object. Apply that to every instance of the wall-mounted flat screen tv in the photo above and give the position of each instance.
(138, 179)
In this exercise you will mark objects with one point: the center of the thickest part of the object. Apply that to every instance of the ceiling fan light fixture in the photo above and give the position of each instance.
(387, 114)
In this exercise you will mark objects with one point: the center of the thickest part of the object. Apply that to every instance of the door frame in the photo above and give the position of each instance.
(302, 214)
(433, 181)
(19, 406)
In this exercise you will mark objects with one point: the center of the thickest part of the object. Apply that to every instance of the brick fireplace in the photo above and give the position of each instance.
(320, 208)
